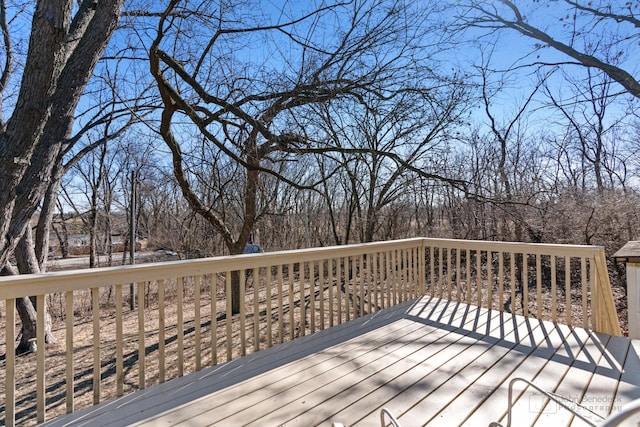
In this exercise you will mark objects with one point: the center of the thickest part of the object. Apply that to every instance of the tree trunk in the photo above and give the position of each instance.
(28, 318)
(63, 238)
(235, 292)
(60, 61)
(93, 230)
(28, 264)
(45, 219)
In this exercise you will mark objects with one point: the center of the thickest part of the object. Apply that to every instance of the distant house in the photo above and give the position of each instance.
(78, 244)
(78, 241)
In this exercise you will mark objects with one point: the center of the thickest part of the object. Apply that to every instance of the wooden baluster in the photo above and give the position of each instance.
(539, 286)
(229, 315)
(292, 325)
(40, 359)
(95, 307)
(162, 364)
(421, 270)
(375, 279)
(448, 275)
(593, 285)
(525, 283)
(432, 270)
(312, 296)
(411, 280)
(303, 314)
(388, 279)
(361, 279)
(331, 280)
(501, 280)
(268, 284)
(10, 363)
(198, 322)
(321, 292)
(280, 306)
(554, 290)
(119, 346)
(468, 275)
(340, 282)
(69, 320)
(142, 369)
(440, 273)
(585, 292)
(567, 287)
(366, 277)
(404, 273)
(393, 299)
(256, 309)
(213, 296)
(243, 314)
(458, 272)
(479, 276)
(180, 324)
(489, 280)
(512, 262)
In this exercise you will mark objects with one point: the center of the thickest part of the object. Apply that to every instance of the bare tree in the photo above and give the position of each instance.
(591, 125)
(415, 125)
(241, 78)
(596, 34)
(63, 52)
(64, 46)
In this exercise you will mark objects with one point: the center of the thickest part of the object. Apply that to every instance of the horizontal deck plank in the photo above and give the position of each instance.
(282, 388)
(422, 361)
(489, 395)
(453, 371)
(503, 362)
(430, 361)
(401, 376)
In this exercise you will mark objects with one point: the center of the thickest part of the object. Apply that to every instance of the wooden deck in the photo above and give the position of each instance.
(430, 361)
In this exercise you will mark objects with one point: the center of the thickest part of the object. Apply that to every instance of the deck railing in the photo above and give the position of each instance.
(183, 321)
(561, 283)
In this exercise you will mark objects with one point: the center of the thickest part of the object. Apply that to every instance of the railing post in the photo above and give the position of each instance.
(422, 268)
(605, 313)
(633, 299)
(630, 255)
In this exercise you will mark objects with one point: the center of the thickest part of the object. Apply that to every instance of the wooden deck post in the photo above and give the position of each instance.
(633, 299)
(630, 255)
(604, 313)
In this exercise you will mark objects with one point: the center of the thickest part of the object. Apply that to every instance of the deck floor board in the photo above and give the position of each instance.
(467, 358)
(430, 361)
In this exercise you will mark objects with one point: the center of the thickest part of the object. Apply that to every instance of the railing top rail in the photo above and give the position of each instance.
(60, 281)
(517, 247)
(36, 284)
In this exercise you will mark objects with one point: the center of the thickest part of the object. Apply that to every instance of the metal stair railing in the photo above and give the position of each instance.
(580, 411)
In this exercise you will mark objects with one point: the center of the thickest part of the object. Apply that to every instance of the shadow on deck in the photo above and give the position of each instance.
(429, 361)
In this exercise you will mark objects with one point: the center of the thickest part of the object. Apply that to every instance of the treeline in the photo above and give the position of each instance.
(532, 194)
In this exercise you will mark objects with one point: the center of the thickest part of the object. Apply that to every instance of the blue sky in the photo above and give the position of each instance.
(508, 49)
